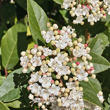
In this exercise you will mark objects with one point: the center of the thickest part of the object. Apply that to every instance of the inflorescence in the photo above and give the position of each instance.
(92, 10)
(58, 69)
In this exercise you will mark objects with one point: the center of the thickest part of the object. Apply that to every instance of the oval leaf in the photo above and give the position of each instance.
(90, 90)
(96, 46)
(3, 106)
(37, 20)
(100, 63)
(9, 90)
(58, 1)
(13, 42)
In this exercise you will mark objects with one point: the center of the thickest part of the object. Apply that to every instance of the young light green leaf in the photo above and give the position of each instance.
(37, 20)
(100, 63)
(58, 1)
(9, 90)
(13, 42)
(90, 90)
(14, 104)
(63, 13)
(3, 106)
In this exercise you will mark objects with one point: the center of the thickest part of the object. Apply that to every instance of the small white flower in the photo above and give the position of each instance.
(24, 61)
(36, 61)
(82, 75)
(108, 9)
(65, 102)
(100, 96)
(34, 51)
(91, 18)
(45, 94)
(35, 77)
(54, 89)
(67, 3)
(79, 19)
(80, 65)
(62, 70)
(54, 63)
(71, 85)
(74, 94)
(49, 36)
(44, 68)
(78, 11)
(61, 57)
(76, 53)
(35, 88)
(60, 44)
(45, 81)
(69, 30)
(107, 2)
(85, 10)
(94, 2)
(47, 51)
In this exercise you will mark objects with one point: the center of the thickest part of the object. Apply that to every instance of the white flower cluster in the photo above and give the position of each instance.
(95, 107)
(92, 10)
(58, 70)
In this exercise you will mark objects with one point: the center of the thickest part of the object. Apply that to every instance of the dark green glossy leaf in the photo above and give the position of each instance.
(90, 90)
(37, 20)
(100, 63)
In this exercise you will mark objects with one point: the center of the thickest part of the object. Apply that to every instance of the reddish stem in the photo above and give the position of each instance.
(6, 73)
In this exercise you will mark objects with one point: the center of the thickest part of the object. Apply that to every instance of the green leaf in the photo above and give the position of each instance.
(1, 79)
(3, 106)
(13, 42)
(90, 90)
(58, 1)
(37, 20)
(15, 104)
(63, 13)
(9, 90)
(104, 39)
(96, 46)
(100, 63)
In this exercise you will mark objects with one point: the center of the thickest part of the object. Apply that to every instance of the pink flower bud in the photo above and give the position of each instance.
(52, 81)
(83, 6)
(88, 71)
(35, 46)
(88, 7)
(104, 14)
(85, 45)
(92, 68)
(101, 9)
(77, 63)
(28, 88)
(35, 109)
(44, 74)
(43, 56)
(59, 31)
